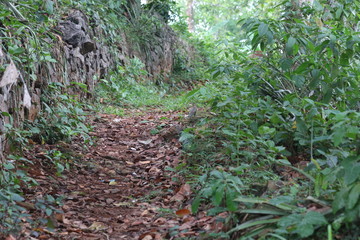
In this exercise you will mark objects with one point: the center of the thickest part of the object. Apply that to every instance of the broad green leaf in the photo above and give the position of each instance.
(305, 230)
(290, 220)
(338, 222)
(344, 59)
(290, 45)
(338, 135)
(283, 162)
(352, 172)
(195, 204)
(215, 211)
(262, 46)
(286, 63)
(281, 199)
(48, 212)
(352, 132)
(8, 166)
(304, 67)
(270, 37)
(265, 211)
(301, 126)
(353, 196)
(299, 80)
(16, 197)
(294, 111)
(50, 198)
(321, 138)
(315, 76)
(331, 160)
(185, 136)
(227, 101)
(192, 93)
(263, 29)
(327, 96)
(266, 130)
(255, 41)
(339, 201)
(230, 203)
(253, 223)
(16, 50)
(203, 178)
(251, 200)
(338, 13)
(315, 73)
(219, 195)
(318, 6)
(207, 192)
(49, 6)
(276, 236)
(216, 174)
(314, 218)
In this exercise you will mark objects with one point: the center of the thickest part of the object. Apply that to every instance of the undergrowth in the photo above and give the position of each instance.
(62, 119)
(130, 87)
(278, 146)
(281, 150)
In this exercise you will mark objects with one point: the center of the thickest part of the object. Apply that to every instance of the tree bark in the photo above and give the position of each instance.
(190, 15)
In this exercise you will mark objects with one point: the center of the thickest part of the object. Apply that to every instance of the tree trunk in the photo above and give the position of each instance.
(190, 15)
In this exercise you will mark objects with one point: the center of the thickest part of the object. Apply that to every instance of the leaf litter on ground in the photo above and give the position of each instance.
(120, 187)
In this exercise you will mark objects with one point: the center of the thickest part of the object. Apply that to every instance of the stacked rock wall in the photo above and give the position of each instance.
(80, 57)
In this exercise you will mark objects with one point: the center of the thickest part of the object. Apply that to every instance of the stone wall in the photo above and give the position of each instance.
(79, 58)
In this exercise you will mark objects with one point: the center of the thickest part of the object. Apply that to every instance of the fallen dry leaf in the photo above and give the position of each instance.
(183, 212)
(79, 224)
(97, 226)
(185, 226)
(10, 237)
(147, 237)
(114, 207)
(183, 192)
(145, 162)
(146, 142)
(112, 183)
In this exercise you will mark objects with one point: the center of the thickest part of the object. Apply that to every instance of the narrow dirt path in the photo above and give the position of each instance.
(129, 185)
(123, 187)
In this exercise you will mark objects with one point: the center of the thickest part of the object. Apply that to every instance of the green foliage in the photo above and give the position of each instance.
(222, 188)
(62, 118)
(306, 58)
(12, 182)
(288, 92)
(281, 218)
(128, 85)
(164, 8)
(59, 160)
(25, 31)
(10, 193)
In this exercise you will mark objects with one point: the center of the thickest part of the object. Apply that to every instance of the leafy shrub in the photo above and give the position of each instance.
(293, 101)
(12, 206)
(129, 86)
(62, 117)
